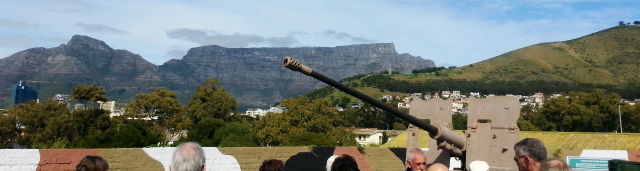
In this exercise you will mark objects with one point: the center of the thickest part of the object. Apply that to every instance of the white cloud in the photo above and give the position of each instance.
(202, 37)
(99, 28)
(347, 36)
(176, 53)
(15, 41)
(455, 32)
(13, 24)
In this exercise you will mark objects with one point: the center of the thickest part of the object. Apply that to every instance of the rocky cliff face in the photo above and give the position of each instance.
(254, 76)
(83, 60)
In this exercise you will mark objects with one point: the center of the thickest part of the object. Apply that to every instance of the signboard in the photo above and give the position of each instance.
(587, 163)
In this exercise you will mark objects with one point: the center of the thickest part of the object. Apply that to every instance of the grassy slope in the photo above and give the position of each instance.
(610, 56)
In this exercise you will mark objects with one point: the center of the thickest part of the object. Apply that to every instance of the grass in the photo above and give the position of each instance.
(250, 158)
(606, 57)
(559, 144)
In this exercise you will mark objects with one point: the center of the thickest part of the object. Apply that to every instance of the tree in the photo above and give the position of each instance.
(235, 135)
(92, 128)
(303, 116)
(636, 22)
(630, 118)
(134, 133)
(579, 111)
(459, 121)
(44, 124)
(162, 108)
(211, 100)
(369, 116)
(342, 101)
(91, 94)
(204, 131)
(9, 130)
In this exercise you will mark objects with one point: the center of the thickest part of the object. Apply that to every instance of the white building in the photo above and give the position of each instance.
(456, 94)
(416, 95)
(367, 136)
(403, 105)
(256, 112)
(538, 98)
(457, 106)
(387, 97)
(475, 94)
(61, 98)
(111, 107)
(357, 105)
(108, 106)
(261, 112)
(276, 109)
(445, 94)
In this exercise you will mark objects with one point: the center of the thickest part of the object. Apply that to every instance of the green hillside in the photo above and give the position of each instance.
(611, 56)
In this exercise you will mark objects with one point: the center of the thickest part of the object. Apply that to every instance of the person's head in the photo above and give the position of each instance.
(188, 156)
(554, 165)
(438, 167)
(529, 153)
(342, 163)
(417, 161)
(272, 165)
(92, 163)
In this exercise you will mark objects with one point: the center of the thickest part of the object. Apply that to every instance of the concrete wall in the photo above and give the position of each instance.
(19, 160)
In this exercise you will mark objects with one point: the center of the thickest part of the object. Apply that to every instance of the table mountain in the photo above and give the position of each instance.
(254, 76)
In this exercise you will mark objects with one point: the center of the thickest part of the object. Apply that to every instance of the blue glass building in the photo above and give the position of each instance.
(24, 93)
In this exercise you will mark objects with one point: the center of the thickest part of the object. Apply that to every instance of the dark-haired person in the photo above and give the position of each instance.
(92, 163)
(272, 165)
(342, 163)
(530, 152)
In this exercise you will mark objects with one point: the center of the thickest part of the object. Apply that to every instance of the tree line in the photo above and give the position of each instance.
(385, 82)
(583, 108)
(596, 111)
(152, 119)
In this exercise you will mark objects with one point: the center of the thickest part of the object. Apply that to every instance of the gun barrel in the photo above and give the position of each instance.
(296, 65)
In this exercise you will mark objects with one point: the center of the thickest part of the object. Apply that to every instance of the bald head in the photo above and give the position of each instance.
(188, 156)
(438, 167)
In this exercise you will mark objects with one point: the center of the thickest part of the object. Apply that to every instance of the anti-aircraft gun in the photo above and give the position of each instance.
(491, 124)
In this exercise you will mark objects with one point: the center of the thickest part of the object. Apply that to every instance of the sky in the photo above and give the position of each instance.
(449, 32)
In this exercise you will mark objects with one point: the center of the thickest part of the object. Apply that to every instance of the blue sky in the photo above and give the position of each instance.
(450, 32)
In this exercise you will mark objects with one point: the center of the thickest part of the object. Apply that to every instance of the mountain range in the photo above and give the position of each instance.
(254, 76)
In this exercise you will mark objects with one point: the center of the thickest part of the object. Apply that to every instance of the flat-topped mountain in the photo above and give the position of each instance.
(254, 76)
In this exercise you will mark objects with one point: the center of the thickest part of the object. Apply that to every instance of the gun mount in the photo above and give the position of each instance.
(491, 126)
